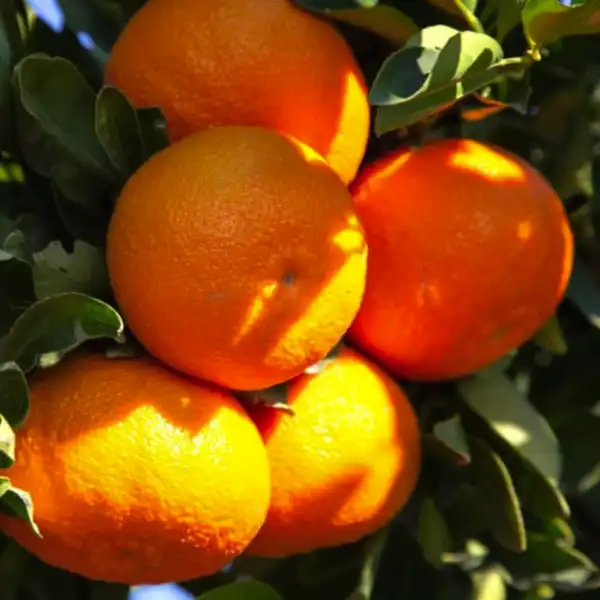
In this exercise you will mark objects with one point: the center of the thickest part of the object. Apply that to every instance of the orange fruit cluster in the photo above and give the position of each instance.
(239, 258)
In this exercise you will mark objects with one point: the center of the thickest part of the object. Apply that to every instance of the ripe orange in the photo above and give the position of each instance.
(246, 62)
(236, 256)
(470, 252)
(138, 475)
(344, 464)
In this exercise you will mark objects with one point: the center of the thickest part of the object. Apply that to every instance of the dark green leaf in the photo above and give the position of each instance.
(373, 550)
(57, 128)
(4, 485)
(388, 22)
(502, 16)
(7, 444)
(499, 496)
(584, 292)
(57, 271)
(11, 49)
(465, 513)
(495, 398)
(242, 590)
(551, 338)
(545, 561)
(14, 568)
(546, 21)
(154, 130)
(57, 325)
(88, 224)
(14, 394)
(101, 20)
(435, 68)
(580, 440)
(451, 435)
(433, 533)
(17, 296)
(17, 503)
(118, 129)
(534, 474)
(43, 39)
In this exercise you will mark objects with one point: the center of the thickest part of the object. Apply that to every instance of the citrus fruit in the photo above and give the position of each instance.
(246, 62)
(343, 464)
(469, 254)
(236, 256)
(137, 475)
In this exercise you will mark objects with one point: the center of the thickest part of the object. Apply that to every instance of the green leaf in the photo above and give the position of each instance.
(499, 496)
(551, 338)
(435, 68)
(17, 296)
(14, 394)
(374, 547)
(448, 439)
(433, 534)
(488, 584)
(57, 271)
(495, 398)
(520, 436)
(4, 485)
(242, 590)
(7, 444)
(57, 128)
(388, 22)
(52, 327)
(545, 561)
(502, 15)
(546, 21)
(119, 131)
(153, 126)
(557, 530)
(17, 503)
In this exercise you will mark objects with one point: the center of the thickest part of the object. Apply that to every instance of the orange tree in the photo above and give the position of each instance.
(447, 447)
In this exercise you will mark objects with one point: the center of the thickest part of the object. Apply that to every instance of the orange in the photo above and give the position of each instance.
(236, 256)
(470, 253)
(246, 62)
(344, 464)
(137, 475)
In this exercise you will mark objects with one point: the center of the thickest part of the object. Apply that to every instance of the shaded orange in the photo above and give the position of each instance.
(246, 62)
(137, 475)
(470, 252)
(236, 256)
(344, 464)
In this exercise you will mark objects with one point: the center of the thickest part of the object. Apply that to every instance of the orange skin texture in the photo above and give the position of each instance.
(236, 256)
(246, 62)
(470, 252)
(137, 474)
(344, 464)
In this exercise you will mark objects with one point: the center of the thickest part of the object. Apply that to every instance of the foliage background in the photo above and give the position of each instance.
(508, 506)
